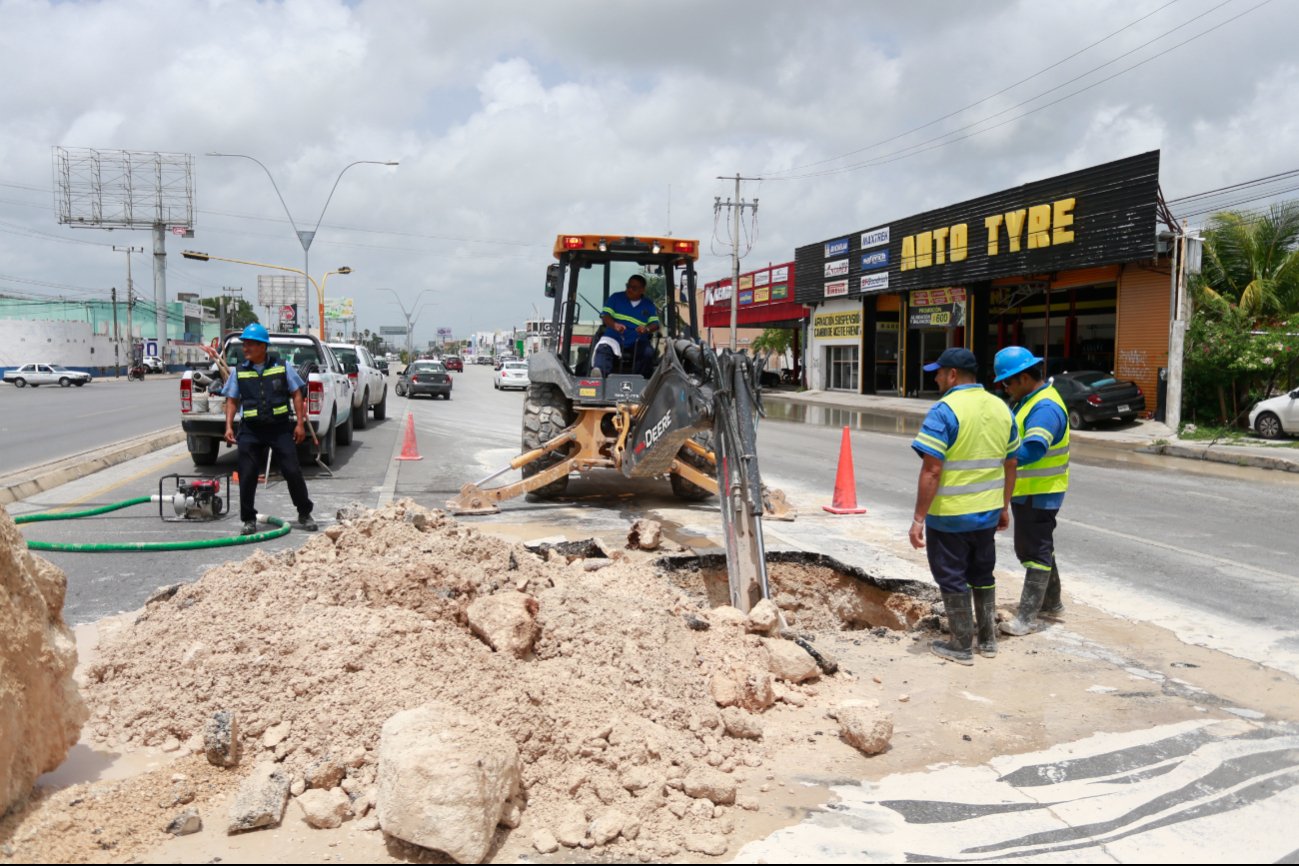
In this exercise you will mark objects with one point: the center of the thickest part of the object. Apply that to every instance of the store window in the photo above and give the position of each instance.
(841, 368)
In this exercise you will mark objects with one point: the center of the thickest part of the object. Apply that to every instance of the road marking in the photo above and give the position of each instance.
(1142, 540)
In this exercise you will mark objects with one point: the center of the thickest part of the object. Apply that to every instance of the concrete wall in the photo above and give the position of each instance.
(74, 345)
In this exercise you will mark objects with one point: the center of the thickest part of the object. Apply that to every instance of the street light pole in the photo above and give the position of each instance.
(306, 237)
(320, 287)
(409, 321)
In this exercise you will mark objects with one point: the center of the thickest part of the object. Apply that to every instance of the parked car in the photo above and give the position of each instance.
(424, 377)
(382, 364)
(1092, 395)
(453, 362)
(46, 374)
(153, 364)
(369, 385)
(1277, 416)
(512, 374)
(485, 360)
(501, 360)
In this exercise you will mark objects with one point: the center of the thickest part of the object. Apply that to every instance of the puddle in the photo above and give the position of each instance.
(816, 591)
(838, 416)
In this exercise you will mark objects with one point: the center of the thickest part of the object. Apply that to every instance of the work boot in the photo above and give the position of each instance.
(1052, 606)
(985, 615)
(249, 528)
(1030, 603)
(305, 521)
(960, 622)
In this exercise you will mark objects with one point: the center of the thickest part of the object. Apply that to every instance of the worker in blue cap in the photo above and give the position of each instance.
(1040, 484)
(967, 443)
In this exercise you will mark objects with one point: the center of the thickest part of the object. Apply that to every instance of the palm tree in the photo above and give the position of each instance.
(1253, 261)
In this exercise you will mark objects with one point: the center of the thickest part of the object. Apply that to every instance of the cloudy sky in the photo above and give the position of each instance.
(513, 122)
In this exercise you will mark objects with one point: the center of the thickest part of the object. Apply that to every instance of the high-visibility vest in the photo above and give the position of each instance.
(619, 308)
(974, 472)
(264, 396)
(1051, 473)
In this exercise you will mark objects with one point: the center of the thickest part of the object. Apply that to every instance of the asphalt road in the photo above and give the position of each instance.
(45, 423)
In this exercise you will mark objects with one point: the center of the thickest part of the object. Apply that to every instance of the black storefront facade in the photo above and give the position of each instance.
(1067, 266)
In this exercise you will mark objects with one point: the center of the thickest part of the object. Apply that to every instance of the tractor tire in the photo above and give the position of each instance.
(546, 414)
(685, 490)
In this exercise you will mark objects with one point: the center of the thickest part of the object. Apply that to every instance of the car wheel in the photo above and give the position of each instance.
(363, 417)
(381, 408)
(345, 429)
(78, 384)
(1268, 426)
(1076, 421)
(64, 381)
(401, 392)
(446, 396)
(327, 445)
(208, 452)
(20, 382)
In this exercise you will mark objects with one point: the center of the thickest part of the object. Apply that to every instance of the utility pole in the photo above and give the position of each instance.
(737, 207)
(1187, 263)
(117, 345)
(130, 295)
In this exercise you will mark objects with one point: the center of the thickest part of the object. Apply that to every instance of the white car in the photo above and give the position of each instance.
(513, 374)
(1276, 417)
(45, 374)
(369, 383)
(153, 364)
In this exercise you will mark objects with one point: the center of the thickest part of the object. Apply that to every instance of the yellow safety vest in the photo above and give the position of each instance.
(1051, 473)
(974, 472)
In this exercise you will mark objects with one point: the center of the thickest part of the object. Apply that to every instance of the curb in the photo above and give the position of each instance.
(37, 479)
(1222, 455)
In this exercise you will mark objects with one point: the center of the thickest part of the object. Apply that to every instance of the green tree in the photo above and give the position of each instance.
(777, 341)
(238, 312)
(1253, 261)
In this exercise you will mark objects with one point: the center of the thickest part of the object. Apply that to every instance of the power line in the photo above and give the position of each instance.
(1284, 175)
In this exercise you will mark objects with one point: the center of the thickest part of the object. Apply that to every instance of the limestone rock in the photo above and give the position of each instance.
(41, 712)
(545, 842)
(445, 777)
(749, 689)
(369, 822)
(726, 615)
(741, 724)
(606, 825)
(261, 799)
(276, 734)
(325, 773)
(790, 662)
(221, 739)
(707, 783)
(712, 844)
(324, 809)
(505, 621)
(185, 823)
(865, 729)
(764, 618)
(645, 534)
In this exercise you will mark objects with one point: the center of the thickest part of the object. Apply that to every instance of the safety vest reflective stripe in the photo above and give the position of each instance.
(631, 320)
(275, 410)
(1051, 473)
(974, 476)
(265, 393)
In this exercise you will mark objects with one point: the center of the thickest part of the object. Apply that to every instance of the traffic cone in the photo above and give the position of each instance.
(234, 478)
(409, 451)
(845, 483)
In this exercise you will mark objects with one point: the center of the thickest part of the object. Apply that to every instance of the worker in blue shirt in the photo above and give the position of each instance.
(262, 387)
(967, 443)
(629, 319)
(1040, 485)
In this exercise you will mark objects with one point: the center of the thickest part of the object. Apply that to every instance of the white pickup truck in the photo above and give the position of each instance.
(369, 383)
(328, 397)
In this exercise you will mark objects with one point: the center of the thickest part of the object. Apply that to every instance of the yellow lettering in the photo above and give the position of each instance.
(1063, 219)
(1015, 227)
(908, 254)
(993, 224)
(940, 246)
(924, 249)
(1039, 226)
(957, 244)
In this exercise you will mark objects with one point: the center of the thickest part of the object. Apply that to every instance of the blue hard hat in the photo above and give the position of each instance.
(256, 332)
(1012, 360)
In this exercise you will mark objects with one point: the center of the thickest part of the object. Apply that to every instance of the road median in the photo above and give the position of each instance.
(31, 480)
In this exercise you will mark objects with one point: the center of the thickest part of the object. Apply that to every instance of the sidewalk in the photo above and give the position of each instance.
(904, 415)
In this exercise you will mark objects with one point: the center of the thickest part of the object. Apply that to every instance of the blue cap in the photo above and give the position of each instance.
(956, 358)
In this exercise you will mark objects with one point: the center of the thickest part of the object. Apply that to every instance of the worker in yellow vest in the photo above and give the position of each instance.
(967, 442)
(1040, 483)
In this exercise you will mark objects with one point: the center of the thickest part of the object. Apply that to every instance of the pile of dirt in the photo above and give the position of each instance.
(314, 649)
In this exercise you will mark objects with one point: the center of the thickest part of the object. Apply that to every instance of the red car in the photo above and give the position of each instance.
(453, 362)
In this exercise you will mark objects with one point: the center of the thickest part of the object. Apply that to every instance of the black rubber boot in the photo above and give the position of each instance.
(1030, 604)
(1052, 606)
(985, 616)
(960, 622)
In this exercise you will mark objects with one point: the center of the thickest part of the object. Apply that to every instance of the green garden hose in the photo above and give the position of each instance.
(281, 528)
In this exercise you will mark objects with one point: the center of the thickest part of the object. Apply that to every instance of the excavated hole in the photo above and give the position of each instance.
(816, 592)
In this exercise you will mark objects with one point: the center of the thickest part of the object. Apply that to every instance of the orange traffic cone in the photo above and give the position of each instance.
(409, 451)
(845, 482)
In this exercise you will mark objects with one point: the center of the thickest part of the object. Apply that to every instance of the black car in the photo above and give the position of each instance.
(424, 377)
(1091, 396)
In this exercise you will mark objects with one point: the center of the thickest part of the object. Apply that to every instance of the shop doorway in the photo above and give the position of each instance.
(932, 343)
(841, 368)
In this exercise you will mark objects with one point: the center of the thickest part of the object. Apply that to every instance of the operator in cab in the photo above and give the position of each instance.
(630, 319)
(264, 386)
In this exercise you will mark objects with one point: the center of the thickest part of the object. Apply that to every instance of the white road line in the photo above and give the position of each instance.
(1148, 542)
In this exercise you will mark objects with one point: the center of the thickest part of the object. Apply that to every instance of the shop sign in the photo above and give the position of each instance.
(780, 292)
(746, 281)
(715, 295)
(875, 238)
(877, 259)
(762, 295)
(937, 308)
(837, 268)
(836, 289)
(762, 278)
(830, 326)
(780, 274)
(872, 283)
(836, 248)
(746, 297)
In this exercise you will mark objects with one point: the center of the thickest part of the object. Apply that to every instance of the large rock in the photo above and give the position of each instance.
(709, 784)
(743, 687)
(445, 778)
(221, 739)
(261, 799)
(764, 618)
(866, 729)
(324, 809)
(789, 662)
(505, 621)
(41, 712)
